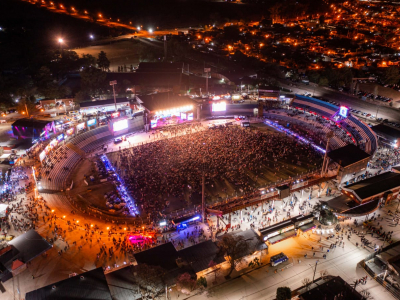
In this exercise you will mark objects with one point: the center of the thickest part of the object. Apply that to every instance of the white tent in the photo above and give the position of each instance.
(3, 210)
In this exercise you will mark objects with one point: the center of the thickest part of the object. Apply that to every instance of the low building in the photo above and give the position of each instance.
(385, 186)
(32, 128)
(364, 197)
(388, 135)
(350, 159)
(91, 285)
(167, 109)
(19, 252)
(269, 93)
(105, 106)
(286, 229)
(334, 288)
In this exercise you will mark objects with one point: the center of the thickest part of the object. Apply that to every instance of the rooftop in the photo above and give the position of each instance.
(161, 101)
(348, 155)
(386, 131)
(375, 185)
(30, 245)
(200, 255)
(164, 256)
(90, 285)
(122, 284)
(336, 288)
(103, 102)
(27, 122)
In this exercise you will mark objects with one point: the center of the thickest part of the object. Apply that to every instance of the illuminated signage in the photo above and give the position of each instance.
(70, 131)
(236, 97)
(153, 123)
(120, 125)
(91, 122)
(80, 126)
(219, 106)
(343, 111)
(115, 115)
(60, 137)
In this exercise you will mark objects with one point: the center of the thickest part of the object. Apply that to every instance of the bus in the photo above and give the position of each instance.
(277, 259)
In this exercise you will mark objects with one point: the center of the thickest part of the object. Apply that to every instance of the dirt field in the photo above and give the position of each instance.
(120, 53)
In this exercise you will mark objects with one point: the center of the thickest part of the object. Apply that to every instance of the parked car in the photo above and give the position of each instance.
(117, 140)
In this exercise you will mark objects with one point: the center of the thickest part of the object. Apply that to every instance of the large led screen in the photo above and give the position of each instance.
(219, 106)
(120, 125)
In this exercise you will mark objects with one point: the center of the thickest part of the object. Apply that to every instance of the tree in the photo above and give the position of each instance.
(29, 104)
(202, 282)
(185, 283)
(47, 86)
(283, 293)
(323, 81)
(87, 60)
(149, 53)
(93, 81)
(102, 61)
(255, 263)
(5, 94)
(234, 247)
(177, 49)
(392, 75)
(306, 283)
(150, 280)
(323, 273)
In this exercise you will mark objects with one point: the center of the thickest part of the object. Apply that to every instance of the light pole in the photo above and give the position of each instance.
(113, 83)
(315, 269)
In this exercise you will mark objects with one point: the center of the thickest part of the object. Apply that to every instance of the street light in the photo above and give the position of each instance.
(150, 30)
(91, 36)
(315, 269)
(60, 42)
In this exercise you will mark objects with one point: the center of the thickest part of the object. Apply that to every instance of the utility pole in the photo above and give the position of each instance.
(325, 163)
(113, 83)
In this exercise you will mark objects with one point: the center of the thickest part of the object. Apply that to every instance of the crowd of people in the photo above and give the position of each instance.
(384, 158)
(234, 160)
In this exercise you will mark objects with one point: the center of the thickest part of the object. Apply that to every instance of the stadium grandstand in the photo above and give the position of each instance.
(363, 135)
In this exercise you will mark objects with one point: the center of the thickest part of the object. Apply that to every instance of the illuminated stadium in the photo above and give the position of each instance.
(168, 168)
